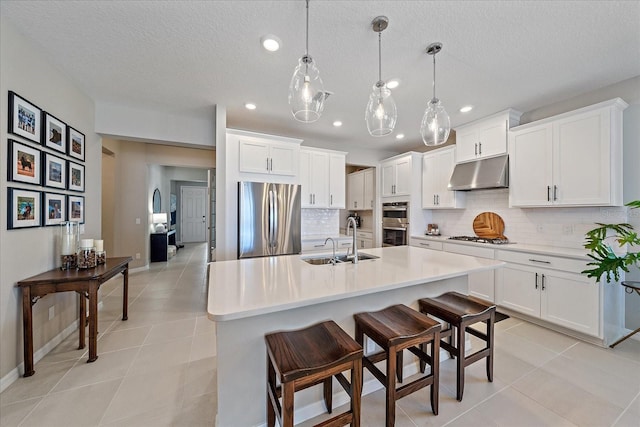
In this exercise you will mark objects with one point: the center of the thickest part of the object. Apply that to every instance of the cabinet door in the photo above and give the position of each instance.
(403, 177)
(388, 179)
(283, 159)
(518, 289)
(336, 181)
(581, 170)
(530, 167)
(482, 285)
(445, 164)
(369, 192)
(306, 194)
(254, 157)
(355, 190)
(320, 179)
(572, 302)
(492, 138)
(466, 144)
(430, 181)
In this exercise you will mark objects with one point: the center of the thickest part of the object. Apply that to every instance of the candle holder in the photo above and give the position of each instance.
(101, 257)
(69, 234)
(86, 254)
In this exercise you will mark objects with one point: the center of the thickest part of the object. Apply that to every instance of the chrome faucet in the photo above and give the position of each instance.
(354, 247)
(333, 242)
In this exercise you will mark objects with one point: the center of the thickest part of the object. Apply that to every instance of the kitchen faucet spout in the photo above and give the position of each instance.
(354, 247)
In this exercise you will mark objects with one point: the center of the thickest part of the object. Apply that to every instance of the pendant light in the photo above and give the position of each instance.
(381, 113)
(306, 92)
(435, 125)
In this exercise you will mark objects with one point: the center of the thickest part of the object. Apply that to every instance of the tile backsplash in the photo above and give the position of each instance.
(323, 222)
(563, 227)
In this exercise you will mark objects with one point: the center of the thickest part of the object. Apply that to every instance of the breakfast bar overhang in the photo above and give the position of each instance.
(251, 297)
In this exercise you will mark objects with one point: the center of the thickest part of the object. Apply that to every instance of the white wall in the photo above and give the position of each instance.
(26, 252)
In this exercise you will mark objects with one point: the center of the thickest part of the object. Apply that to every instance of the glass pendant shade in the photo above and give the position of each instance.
(435, 125)
(381, 113)
(306, 91)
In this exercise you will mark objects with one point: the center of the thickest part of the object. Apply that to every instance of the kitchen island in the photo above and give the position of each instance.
(251, 297)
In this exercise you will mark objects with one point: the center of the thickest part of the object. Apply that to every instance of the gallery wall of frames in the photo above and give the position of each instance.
(46, 167)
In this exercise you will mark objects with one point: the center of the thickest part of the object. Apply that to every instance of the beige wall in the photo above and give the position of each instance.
(138, 170)
(26, 252)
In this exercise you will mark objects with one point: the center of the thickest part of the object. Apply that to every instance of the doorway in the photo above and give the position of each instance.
(193, 218)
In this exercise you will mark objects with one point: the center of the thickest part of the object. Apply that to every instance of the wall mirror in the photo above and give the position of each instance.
(156, 201)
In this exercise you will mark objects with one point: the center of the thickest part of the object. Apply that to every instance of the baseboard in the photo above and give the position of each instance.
(139, 269)
(14, 374)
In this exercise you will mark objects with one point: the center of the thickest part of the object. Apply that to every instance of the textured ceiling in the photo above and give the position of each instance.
(185, 56)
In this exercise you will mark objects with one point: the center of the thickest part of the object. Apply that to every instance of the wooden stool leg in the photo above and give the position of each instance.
(490, 339)
(356, 392)
(271, 384)
(460, 335)
(328, 393)
(423, 364)
(435, 371)
(399, 365)
(391, 387)
(450, 340)
(287, 404)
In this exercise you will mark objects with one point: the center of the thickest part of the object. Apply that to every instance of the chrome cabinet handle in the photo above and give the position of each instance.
(548, 193)
(434, 199)
(424, 244)
(543, 282)
(267, 163)
(331, 200)
(271, 165)
(536, 280)
(475, 148)
(319, 246)
(555, 193)
(480, 150)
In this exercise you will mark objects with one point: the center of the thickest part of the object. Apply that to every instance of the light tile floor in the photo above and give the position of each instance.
(158, 369)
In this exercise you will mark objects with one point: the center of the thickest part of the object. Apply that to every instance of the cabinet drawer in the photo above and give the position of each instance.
(469, 250)
(425, 243)
(365, 234)
(543, 261)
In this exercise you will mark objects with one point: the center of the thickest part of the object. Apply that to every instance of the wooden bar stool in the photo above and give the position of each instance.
(460, 311)
(395, 329)
(306, 357)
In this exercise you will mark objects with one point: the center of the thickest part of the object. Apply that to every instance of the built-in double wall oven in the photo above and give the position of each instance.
(395, 224)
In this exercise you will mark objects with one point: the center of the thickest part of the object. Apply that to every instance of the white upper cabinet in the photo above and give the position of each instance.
(574, 159)
(322, 176)
(396, 176)
(268, 157)
(360, 192)
(437, 167)
(486, 137)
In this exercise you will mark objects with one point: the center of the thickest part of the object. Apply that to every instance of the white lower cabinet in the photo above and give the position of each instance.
(550, 288)
(425, 243)
(319, 245)
(482, 283)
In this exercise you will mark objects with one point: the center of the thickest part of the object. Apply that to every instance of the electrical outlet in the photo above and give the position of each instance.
(52, 312)
(137, 221)
(567, 229)
(137, 255)
(81, 231)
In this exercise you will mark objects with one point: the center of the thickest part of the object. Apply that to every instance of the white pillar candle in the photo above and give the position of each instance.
(99, 244)
(86, 243)
(68, 244)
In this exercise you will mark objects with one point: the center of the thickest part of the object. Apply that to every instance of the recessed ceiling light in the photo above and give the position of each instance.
(270, 42)
(250, 106)
(393, 83)
(337, 123)
(466, 108)
(400, 136)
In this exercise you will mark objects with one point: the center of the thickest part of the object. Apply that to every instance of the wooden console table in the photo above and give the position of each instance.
(86, 283)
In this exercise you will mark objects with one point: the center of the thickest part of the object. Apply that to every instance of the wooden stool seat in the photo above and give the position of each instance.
(395, 329)
(460, 311)
(306, 357)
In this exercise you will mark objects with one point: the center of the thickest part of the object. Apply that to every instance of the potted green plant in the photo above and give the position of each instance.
(606, 260)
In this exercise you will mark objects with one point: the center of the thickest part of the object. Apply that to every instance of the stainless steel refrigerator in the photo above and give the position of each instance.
(268, 219)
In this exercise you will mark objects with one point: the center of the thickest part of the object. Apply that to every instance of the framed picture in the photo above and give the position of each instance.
(75, 143)
(54, 208)
(55, 133)
(54, 171)
(24, 163)
(76, 208)
(23, 209)
(25, 119)
(76, 177)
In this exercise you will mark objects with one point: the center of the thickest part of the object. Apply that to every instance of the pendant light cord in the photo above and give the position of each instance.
(434, 77)
(306, 49)
(380, 56)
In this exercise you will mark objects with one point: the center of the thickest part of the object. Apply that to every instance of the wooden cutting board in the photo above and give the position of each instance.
(489, 225)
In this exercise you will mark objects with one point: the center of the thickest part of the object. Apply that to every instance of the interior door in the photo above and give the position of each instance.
(193, 214)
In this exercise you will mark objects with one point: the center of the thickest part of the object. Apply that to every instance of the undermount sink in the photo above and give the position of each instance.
(324, 260)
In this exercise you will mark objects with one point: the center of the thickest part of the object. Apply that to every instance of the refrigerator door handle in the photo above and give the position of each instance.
(272, 216)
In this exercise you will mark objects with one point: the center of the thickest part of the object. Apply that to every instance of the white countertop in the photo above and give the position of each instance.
(250, 287)
(516, 247)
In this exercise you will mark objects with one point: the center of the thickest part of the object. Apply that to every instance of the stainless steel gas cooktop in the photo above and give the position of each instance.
(496, 241)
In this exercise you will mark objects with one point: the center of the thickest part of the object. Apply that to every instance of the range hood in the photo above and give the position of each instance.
(481, 174)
